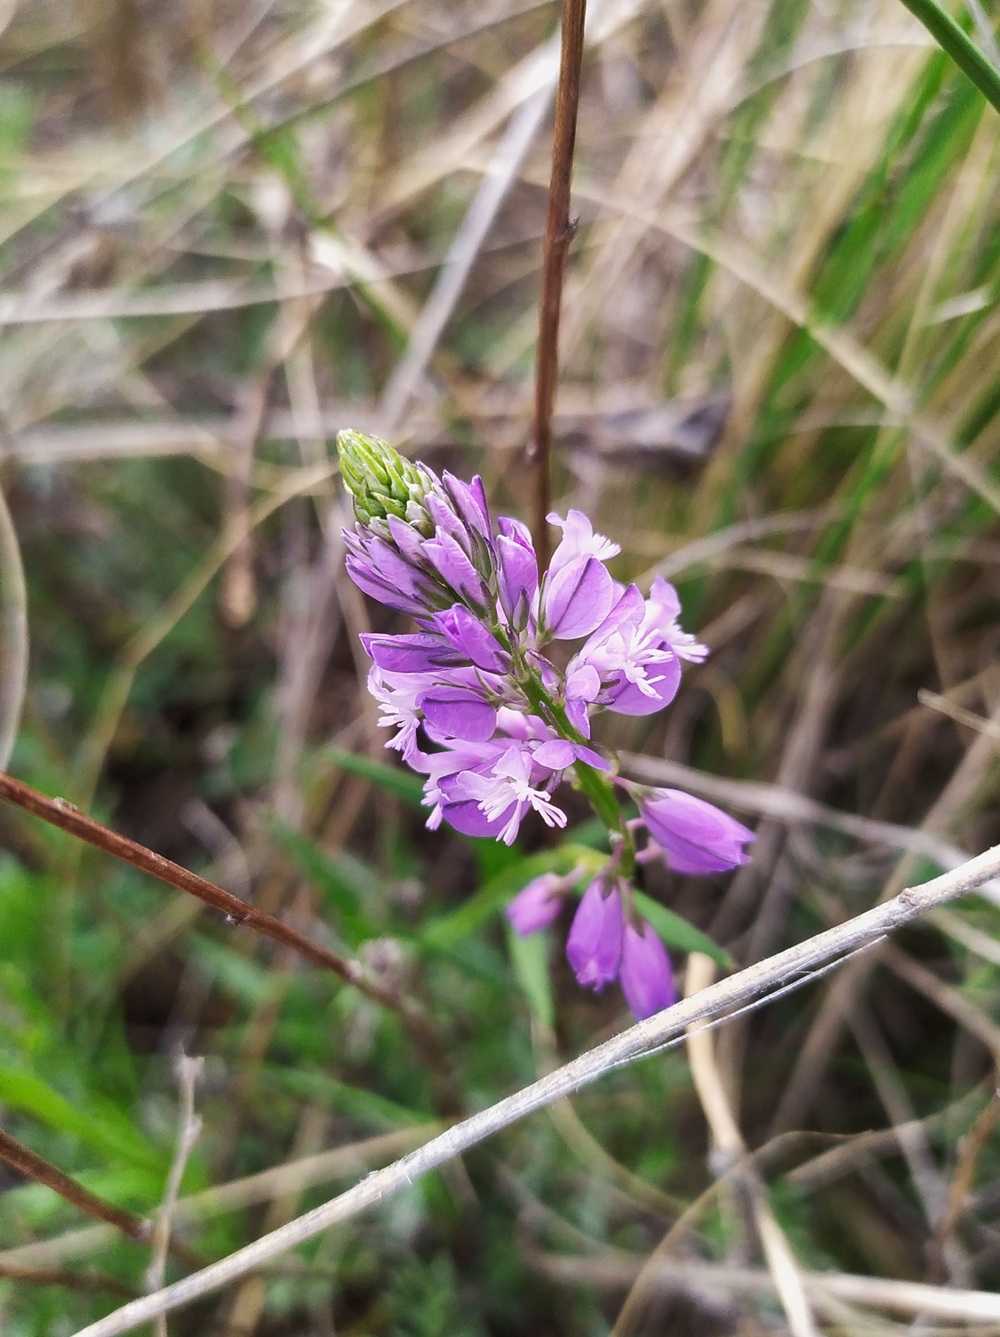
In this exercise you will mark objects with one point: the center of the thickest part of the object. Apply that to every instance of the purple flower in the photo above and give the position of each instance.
(477, 703)
(517, 571)
(594, 944)
(495, 801)
(694, 836)
(636, 670)
(647, 978)
(538, 904)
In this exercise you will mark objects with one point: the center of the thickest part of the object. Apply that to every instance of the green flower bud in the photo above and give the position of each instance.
(380, 481)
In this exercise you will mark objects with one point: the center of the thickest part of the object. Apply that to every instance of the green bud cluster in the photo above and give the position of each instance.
(381, 482)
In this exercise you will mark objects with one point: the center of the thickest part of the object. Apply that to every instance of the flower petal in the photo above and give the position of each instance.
(647, 977)
(577, 599)
(537, 905)
(459, 712)
(695, 836)
(594, 944)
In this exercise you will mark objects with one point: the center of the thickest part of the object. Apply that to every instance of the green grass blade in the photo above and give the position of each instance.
(951, 38)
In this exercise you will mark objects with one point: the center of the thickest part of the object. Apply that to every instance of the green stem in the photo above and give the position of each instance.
(594, 784)
(953, 39)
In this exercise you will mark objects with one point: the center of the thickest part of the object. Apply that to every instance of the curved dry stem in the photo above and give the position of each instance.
(794, 965)
(13, 634)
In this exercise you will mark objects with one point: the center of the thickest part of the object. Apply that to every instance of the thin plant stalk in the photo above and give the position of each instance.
(64, 815)
(558, 235)
(956, 42)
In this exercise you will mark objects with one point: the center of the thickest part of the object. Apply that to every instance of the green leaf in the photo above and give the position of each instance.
(952, 38)
(103, 1127)
(530, 958)
(401, 784)
(449, 930)
(677, 932)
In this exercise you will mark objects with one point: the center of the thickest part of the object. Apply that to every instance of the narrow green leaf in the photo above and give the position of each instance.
(953, 39)
(677, 932)
(348, 884)
(449, 930)
(401, 784)
(530, 959)
(102, 1126)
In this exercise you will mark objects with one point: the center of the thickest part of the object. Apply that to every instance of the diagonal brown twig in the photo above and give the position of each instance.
(58, 812)
(36, 1167)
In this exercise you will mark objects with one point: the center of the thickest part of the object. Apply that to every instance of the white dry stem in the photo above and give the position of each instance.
(13, 635)
(755, 982)
(188, 1132)
(500, 176)
(729, 1147)
(614, 1269)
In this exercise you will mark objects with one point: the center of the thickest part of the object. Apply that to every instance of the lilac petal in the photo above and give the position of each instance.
(577, 599)
(594, 943)
(518, 576)
(578, 716)
(467, 634)
(695, 836)
(407, 538)
(469, 501)
(665, 598)
(537, 905)
(591, 758)
(624, 698)
(647, 978)
(416, 652)
(662, 611)
(453, 566)
(512, 528)
(467, 817)
(559, 753)
(388, 563)
(578, 540)
(460, 713)
(627, 610)
(382, 590)
(555, 755)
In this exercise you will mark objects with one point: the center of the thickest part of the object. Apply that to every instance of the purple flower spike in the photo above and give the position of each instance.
(647, 978)
(695, 836)
(594, 944)
(537, 905)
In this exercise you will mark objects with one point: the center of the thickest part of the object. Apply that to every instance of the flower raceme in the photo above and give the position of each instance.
(488, 717)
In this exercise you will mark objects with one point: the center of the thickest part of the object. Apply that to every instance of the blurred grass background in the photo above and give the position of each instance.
(230, 230)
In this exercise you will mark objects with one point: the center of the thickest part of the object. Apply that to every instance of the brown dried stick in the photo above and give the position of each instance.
(558, 235)
(36, 1167)
(58, 812)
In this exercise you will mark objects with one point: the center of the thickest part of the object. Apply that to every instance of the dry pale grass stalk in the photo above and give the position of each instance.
(748, 988)
(188, 1131)
(13, 634)
(906, 1298)
(728, 1147)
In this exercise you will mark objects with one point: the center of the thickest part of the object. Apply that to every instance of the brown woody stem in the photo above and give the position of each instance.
(58, 812)
(558, 235)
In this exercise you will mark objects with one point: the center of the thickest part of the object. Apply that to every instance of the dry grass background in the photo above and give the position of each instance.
(230, 230)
